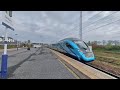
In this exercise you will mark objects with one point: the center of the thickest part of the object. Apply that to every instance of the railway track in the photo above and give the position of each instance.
(99, 69)
(109, 73)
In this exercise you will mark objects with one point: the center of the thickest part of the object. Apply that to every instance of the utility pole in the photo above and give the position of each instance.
(17, 41)
(29, 45)
(80, 25)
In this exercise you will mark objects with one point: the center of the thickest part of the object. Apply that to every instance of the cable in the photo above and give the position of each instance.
(75, 20)
(116, 36)
(95, 21)
(118, 33)
(74, 28)
(94, 16)
(102, 26)
(101, 19)
(69, 32)
(105, 25)
(90, 17)
(106, 35)
(110, 30)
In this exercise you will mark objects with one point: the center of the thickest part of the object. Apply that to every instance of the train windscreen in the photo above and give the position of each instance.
(81, 44)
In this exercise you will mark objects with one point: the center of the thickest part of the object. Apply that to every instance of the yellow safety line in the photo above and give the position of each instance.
(71, 71)
(74, 74)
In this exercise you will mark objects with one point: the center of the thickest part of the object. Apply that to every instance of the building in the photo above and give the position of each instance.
(36, 45)
(10, 39)
(1, 39)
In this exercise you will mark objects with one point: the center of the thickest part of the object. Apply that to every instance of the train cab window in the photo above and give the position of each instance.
(81, 44)
(68, 45)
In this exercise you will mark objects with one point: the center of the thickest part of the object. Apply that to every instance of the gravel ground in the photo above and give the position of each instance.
(107, 67)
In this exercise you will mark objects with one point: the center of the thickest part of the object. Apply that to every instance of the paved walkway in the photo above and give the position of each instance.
(36, 64)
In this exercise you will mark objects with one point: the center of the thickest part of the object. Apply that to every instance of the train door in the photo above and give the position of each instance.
(70, 48)
(74, 51)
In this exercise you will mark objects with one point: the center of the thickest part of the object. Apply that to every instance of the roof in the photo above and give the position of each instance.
(10, 37)
(1, 37)
(73, 39)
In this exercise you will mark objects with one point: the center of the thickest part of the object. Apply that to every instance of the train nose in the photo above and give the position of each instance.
(89, 54)
(90, 59)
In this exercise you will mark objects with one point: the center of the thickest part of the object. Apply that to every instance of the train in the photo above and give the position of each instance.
(76, 48)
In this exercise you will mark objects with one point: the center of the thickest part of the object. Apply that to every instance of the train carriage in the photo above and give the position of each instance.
(75, 48)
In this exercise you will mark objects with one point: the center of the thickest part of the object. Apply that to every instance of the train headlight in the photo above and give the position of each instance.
(80, 51)
(89, 54)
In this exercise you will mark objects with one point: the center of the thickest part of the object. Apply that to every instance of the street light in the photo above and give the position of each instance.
(17, 41)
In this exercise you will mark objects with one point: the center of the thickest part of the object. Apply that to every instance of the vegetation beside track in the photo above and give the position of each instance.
(108, 58)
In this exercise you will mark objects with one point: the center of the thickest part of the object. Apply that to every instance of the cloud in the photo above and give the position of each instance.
(51, 26)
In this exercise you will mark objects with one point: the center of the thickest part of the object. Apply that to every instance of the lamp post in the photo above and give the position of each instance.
(17, 41)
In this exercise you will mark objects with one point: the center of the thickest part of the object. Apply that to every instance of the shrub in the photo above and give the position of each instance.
(107, 47)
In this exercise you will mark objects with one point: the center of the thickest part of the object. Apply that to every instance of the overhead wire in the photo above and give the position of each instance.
(102, 26)
(93, 16)
(101, 19)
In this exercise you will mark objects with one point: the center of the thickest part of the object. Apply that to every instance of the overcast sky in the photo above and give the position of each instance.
(52, 26)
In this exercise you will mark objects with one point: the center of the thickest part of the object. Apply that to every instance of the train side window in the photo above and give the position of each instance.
(68, 45)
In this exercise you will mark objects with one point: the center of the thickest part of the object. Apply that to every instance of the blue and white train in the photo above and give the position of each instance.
(76, 48)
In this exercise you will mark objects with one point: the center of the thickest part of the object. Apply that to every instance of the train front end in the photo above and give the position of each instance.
(85, 52)
(88, 56)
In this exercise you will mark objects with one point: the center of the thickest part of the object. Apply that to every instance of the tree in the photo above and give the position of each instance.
(104, 42)
(110, 42)
(89, 43)
(98, 42)
(95, 42)
(116, 42)
(28, 41)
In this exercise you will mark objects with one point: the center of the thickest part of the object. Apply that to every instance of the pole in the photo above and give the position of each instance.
(16, 41)
(4, 58)
(80, 25)
(5, 42)
(7, 18)
(17, 45)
